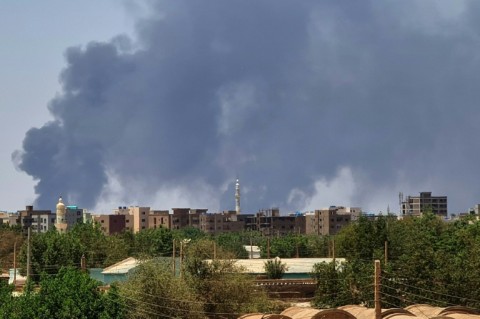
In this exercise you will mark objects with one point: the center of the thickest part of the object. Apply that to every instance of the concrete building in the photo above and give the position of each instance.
(186, 217)
(136, 217)
(110, 224)
(329, 221)
(417, 205)
(38, 220)
(9, 218)
(74, 215)
(159, 219)
(223, 222)
(270, 223)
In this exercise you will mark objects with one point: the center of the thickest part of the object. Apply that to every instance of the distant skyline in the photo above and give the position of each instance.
(310, 104)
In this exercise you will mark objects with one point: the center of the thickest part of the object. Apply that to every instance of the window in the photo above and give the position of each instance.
(102, 221)
(143, 213)
(127, 221)
(143, 220)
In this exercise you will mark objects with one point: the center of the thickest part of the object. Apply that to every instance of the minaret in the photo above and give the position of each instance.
(237, 196)
(61, 223)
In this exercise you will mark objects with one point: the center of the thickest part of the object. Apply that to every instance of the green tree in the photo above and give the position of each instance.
(154, 242)
(274, 268)
(225, 290)
(153, 292)
(69, 294)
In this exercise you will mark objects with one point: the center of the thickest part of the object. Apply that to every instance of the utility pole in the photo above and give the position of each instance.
(268, 247)
(386, 252)
(15, 264)
(296, 246)
(83, 263)
(333, 248)
(173, 258)
(181, 257)
(251, 248)
(378, 305)
(28, 255)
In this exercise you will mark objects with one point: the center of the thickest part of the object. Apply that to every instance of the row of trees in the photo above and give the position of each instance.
(51, 250)
(215, 289)
(428, 261)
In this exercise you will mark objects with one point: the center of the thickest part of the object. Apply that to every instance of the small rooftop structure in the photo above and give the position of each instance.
(122, 267)
(253, 251)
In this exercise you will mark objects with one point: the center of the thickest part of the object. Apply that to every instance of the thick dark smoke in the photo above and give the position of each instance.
(280, 93)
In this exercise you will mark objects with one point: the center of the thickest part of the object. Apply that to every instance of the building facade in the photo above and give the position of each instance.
(39, 221)
(417, 205)
(329, 221)
(223, 222)
(110, 224)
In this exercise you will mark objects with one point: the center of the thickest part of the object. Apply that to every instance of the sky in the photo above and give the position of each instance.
(309, 104)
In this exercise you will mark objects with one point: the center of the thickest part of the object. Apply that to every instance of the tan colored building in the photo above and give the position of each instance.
(11, 219)
(223, 222)
(159, 219)
(136, 217)
(110, 224)
(329, 221)
(186, 217)
(417, 205)
(270, 223)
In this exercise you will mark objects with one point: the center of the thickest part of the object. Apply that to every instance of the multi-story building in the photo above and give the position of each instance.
(136, 217)
(223, 222)
(110, 224)
(417, 205)
(74, 215)
(269, 222)
(9, 218)
(38, 220)
(329, 221)
(186, 217)
(159, 219)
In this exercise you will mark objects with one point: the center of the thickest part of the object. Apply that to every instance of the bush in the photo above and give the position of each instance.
(275, 269)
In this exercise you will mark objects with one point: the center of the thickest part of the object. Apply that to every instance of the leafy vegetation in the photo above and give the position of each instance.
(275, 269)
(68, 294)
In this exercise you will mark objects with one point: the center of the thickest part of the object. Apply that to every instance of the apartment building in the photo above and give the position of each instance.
(186, 217)
(38, 220)
(270, 223)
(417, 205)
(110, 224)
(136, 217)
(159, 219)
(9, 218)
(223, 222)
(329, 221)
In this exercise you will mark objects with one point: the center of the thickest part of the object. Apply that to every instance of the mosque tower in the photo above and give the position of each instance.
(237, 196)
(61, 222)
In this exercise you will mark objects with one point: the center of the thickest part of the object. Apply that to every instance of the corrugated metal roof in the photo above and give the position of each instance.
(418, 311)
(122, 267)
(294, 265)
